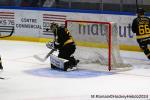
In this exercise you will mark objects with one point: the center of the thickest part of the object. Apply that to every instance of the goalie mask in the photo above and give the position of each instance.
(53, 26)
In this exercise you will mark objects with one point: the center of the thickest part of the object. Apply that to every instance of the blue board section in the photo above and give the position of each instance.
(79, 73)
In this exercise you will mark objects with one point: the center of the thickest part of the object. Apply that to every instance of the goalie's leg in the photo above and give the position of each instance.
(66, 53)
(73, 61)
(58, 63)
(63, 64)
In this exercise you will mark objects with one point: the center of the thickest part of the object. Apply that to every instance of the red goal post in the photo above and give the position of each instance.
(110, 31)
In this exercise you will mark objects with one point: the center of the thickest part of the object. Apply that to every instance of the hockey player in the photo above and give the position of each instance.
(4, 36)
(141, 26)
(64, 42)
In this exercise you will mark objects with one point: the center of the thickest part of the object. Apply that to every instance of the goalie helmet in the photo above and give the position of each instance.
(53, 26)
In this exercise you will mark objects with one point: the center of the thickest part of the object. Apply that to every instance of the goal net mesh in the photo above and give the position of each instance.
(103, 33)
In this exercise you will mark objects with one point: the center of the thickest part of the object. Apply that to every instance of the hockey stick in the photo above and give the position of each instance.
(44, 59)
(12, 31)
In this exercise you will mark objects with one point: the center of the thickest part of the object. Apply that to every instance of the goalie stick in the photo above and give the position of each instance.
(44, 59)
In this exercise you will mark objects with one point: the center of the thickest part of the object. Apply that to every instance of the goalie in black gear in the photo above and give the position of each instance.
(141, 26)
(64, 42)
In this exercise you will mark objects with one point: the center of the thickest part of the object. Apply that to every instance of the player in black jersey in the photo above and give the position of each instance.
(141, 26)
(63, 41)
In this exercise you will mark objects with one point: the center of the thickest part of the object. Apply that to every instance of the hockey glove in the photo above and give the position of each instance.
(50, 45)
(56, 45)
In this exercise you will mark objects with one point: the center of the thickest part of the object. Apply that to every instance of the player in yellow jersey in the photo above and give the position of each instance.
(141, 26)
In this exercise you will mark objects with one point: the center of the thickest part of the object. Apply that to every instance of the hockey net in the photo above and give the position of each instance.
(103, 33)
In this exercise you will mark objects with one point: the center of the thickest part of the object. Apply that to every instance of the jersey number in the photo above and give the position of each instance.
(144, 29)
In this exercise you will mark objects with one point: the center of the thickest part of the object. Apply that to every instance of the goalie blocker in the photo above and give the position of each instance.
(62, 64)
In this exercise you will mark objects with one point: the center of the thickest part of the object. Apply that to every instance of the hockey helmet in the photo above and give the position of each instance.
(140, 11)
(53, 25)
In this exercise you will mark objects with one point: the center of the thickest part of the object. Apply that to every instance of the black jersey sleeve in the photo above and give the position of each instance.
(134, 26)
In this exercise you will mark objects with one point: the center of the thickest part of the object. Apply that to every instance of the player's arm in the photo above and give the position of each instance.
(134, 26)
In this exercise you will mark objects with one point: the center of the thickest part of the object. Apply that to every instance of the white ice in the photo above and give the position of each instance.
(29, 79)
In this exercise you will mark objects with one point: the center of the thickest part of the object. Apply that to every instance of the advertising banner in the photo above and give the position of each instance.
(36, 23)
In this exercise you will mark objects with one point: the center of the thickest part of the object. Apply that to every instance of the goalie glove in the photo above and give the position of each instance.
(52, 45)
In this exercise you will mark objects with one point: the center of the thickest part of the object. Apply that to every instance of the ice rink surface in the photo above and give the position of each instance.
(29, 79)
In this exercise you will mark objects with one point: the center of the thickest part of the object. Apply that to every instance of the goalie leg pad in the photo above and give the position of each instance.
(63, 64)
(59, 63)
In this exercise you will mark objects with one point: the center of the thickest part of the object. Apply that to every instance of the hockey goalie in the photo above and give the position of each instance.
(65, 45)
